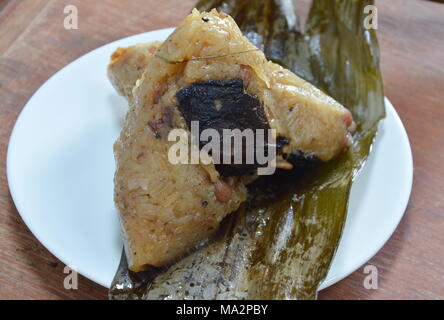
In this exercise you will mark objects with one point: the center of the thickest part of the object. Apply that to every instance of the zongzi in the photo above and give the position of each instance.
(206, 71)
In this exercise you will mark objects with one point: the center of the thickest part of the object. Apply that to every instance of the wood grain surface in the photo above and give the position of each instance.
(34, 45)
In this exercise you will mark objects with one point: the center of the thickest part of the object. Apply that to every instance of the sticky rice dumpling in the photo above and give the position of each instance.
(206, 71)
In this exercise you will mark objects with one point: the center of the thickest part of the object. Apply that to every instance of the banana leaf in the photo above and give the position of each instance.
(281, 242)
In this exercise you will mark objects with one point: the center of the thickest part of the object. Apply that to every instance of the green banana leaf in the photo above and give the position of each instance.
(281, 242)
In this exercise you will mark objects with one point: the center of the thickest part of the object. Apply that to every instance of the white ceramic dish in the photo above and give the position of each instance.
(60, 170)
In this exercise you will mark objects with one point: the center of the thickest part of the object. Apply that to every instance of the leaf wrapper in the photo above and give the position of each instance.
(281, 242)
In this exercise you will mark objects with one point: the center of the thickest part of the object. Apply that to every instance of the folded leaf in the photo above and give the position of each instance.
(280, 244)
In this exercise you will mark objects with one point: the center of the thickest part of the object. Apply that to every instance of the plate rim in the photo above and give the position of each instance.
(403, 203)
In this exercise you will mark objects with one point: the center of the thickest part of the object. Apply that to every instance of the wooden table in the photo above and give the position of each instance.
(34, 45)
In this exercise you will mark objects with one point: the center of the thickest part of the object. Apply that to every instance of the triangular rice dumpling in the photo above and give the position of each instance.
(168, 208)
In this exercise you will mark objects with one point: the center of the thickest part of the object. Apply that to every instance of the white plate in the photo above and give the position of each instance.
(60, 170)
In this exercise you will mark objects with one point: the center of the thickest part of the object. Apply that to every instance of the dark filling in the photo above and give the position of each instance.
(224, 104)
(300, 159)
(220, 104)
